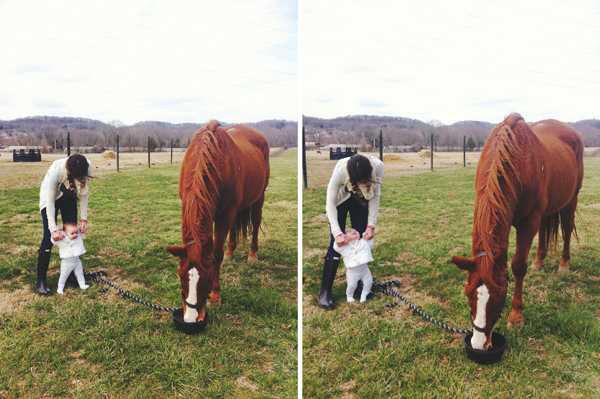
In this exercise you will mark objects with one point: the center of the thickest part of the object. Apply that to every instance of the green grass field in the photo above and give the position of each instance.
(370, 351)
(89, 344)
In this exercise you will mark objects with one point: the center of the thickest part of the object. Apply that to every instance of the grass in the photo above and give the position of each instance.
(369, 350)
(89, 344)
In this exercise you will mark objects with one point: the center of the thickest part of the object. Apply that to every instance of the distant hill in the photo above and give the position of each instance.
(411, 134)
(52, 131)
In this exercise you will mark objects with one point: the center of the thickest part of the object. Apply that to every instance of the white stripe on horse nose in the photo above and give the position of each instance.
(483, 296)
(192, 298)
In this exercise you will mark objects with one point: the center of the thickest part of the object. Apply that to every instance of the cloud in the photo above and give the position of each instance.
(143, 60)
(465, 60)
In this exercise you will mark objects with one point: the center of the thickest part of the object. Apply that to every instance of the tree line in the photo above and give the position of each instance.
(404, 134)
(51, 133)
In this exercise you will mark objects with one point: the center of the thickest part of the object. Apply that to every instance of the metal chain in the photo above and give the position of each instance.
(95, 276)
(386, 288)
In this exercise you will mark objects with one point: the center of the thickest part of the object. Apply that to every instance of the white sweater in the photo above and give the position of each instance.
(50, 190)
(70, 248)
(356, 254)
(337, 193)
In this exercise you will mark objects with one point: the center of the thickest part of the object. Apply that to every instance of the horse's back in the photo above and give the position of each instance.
(556, 135)
(249, 140)
(562, 161)
(252, 160)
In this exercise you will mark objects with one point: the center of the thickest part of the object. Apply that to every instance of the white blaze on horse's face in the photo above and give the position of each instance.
(192, 298)
(479, 338)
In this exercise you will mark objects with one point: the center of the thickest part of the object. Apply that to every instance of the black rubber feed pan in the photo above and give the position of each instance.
(189, 328)
(492, 355)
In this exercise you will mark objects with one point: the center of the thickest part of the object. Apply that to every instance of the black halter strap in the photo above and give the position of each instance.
(197, 306)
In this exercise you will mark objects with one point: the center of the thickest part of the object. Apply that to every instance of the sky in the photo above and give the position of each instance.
(162, 60)
(449, 61)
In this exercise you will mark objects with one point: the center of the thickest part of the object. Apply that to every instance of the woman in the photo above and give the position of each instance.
(354, 188)
(66, 183)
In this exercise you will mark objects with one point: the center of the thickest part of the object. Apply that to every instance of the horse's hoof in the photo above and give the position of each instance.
(564, 269)
(252, 258)
(537, 266)
(517, 324)
(228, 257)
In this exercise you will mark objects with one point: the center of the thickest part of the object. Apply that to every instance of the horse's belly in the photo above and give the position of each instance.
(561, 191)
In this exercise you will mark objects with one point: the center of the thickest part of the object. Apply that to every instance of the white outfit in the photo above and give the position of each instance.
(69, 251)
(50, 190)
(356, 256)
(340, 187)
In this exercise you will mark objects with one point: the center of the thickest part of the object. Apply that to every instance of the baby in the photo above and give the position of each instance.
(357, 253)
(69, 249)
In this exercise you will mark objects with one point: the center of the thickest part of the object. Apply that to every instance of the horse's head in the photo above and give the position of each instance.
(196, 273)
(487, 283)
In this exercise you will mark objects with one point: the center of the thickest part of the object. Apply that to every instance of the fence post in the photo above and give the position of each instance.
(148, 151)
(304, 156)
(68, 144)
(431, 151)
(117, 152)
(171, 150)
(465, 151)
(381, 145)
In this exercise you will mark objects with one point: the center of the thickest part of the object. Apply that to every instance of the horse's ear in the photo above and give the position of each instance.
(463, 263)
(179, 252)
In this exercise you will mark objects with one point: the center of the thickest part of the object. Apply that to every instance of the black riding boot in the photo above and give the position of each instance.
(329, 270)
(42, 268)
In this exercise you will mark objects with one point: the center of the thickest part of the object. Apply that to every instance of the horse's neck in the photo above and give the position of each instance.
(490, 233)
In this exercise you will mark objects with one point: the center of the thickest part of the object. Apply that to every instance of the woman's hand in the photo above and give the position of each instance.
(83, 227)
(340, 240)
(369, 233)
(57, 235)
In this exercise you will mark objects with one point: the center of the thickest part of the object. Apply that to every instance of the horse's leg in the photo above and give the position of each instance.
(256, 218)
(538, 263)
(222, 226)
(567, 217)
(526, 231)
(232, 243)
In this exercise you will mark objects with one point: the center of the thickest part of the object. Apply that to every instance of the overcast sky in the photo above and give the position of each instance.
(137, 60)
(451, 60)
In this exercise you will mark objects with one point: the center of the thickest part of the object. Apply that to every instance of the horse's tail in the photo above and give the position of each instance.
(553, 225)
(243, 225)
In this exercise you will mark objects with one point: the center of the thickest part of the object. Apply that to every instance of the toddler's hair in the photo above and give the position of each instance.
(69, 224)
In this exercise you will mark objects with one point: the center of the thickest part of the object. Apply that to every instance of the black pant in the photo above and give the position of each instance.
(67, 205)
(359, 217)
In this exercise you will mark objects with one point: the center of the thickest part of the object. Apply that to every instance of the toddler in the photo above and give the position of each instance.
(356, 253)
(70, 248)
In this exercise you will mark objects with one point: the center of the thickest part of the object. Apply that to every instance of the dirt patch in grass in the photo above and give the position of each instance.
(13, 301)
(309, 253)
(412, 259)
(19, 249)
(113, 252)
(244, 382)
(346, 387)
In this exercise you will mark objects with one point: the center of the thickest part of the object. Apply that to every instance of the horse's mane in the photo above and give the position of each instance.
(201, 179)
(497, 189)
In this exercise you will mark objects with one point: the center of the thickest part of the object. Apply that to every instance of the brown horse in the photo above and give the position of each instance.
(528, 176)
(222, 185)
